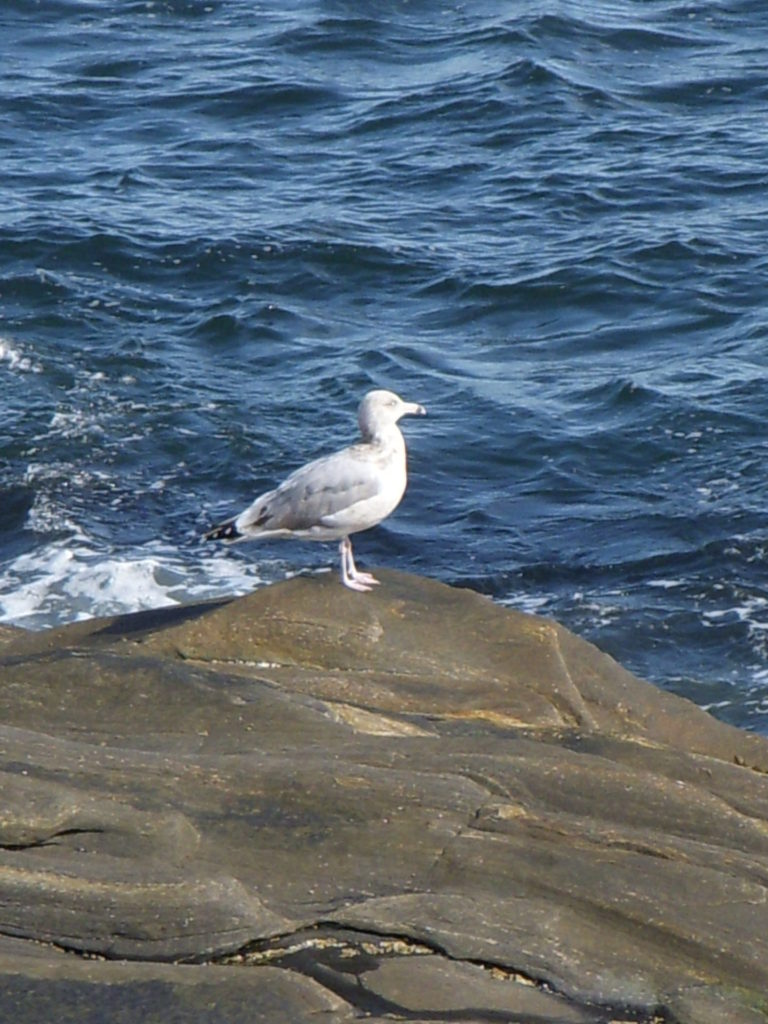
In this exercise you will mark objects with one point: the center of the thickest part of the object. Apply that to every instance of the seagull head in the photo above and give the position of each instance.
(382, 409)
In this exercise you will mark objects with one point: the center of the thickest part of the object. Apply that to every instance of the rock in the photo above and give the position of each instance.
(41, 985)
(9, 634)
(410, 802)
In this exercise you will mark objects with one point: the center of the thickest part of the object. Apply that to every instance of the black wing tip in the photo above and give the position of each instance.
(226, 531)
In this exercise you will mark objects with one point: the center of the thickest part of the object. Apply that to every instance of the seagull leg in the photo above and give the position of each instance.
(355, 573)
(347, 578)
(350, 576)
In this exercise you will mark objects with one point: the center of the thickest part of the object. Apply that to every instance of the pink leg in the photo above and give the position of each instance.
(351, 576)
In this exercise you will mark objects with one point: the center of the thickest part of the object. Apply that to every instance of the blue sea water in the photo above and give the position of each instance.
(222, 222)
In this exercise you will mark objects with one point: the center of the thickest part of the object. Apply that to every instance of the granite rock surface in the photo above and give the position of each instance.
(405, 804)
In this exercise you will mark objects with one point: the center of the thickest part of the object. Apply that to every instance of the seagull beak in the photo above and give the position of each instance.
(412, 409)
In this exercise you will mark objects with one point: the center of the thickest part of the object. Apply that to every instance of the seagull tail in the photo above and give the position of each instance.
(224, 531)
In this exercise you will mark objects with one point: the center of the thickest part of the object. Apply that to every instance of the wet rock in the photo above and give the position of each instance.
(408, 802)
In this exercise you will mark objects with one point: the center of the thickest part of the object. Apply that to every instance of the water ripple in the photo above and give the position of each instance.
(223, 223)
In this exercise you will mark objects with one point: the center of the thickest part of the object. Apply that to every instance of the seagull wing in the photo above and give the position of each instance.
(314, 495)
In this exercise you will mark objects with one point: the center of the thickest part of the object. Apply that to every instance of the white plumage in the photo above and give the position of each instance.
(340, 494)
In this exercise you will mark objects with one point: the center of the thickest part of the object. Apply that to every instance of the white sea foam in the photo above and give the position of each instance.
(752, 613)
(531, 603)
(16, 358)
(70, 581)
(665, 584)
(75, 423)
(46, 514)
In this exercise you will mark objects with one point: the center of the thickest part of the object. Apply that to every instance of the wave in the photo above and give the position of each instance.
(71, 579)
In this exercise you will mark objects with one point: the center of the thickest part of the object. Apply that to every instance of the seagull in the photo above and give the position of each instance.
(340, 494)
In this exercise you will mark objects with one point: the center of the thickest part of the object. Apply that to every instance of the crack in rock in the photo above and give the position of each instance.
(50, 840)
(345, 960)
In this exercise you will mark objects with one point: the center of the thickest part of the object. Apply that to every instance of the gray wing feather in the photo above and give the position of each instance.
(320, 489)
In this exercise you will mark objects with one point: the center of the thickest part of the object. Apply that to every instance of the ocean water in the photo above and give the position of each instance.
(222, 222)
